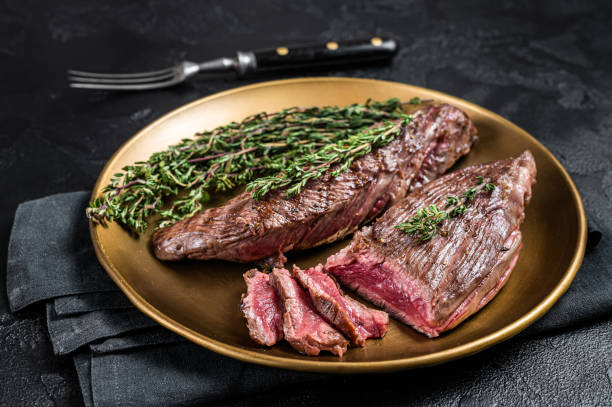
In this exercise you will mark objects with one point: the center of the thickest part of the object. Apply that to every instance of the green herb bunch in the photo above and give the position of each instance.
(424, 225)
(264, 152)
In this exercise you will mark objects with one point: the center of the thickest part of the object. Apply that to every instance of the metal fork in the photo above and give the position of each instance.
(147, 80)
(274, 58)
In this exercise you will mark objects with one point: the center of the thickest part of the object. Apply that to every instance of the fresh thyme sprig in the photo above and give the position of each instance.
(313, 165)
(264, 152)
(425, 223)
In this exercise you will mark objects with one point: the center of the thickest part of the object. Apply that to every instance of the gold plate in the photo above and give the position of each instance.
(199, 300)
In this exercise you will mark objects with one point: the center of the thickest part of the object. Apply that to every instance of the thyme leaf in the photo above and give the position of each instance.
(425, 224)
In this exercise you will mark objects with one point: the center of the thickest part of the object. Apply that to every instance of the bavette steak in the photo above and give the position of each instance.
(436, 284)
(327, 208)
(303, 327)
(262, 309)
(354, 319)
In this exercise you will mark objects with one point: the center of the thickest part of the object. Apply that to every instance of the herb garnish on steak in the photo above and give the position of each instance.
(425, 223)
(261, 145)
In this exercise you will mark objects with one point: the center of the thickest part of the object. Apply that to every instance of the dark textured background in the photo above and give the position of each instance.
(547, 66)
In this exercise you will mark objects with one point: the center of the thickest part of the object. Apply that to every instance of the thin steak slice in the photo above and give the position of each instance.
(303, 327)
(354, 319)
(262, 309)
(436, 284)
(327, 208)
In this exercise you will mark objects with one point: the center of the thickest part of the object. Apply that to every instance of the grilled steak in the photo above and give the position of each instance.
(303, 327)
(354, 319)
(262, 309)
(327, 208)
(436, 284)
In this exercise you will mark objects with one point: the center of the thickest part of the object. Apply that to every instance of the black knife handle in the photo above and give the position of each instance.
(327, 53)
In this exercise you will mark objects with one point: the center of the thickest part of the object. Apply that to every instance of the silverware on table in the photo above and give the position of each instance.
(329, 53)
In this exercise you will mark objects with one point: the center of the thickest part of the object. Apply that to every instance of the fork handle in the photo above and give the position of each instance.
(318, 54)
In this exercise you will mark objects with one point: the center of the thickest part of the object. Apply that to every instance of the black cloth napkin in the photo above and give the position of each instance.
(124, 358)
(71, 332)
(50, 252)
(79, 303)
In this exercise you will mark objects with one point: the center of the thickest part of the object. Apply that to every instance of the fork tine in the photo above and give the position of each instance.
(141, 86)
(118, 81)
(119, 75)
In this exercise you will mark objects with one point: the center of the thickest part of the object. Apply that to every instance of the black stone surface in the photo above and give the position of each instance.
(544, 65)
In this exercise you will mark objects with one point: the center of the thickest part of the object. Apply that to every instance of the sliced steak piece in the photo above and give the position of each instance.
(436, 284)
(303, 327)
(327, 208)
(262, 309)
(354, 319)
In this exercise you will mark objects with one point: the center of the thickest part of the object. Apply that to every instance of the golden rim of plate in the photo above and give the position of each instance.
(340, 366)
